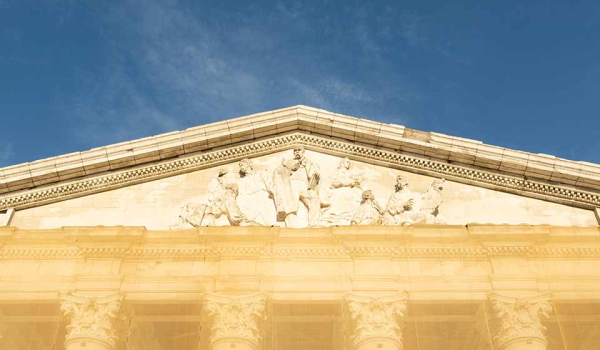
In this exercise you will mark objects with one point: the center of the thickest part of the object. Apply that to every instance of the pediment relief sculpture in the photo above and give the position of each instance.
(297, 194)
(130, 184)
(406, 208)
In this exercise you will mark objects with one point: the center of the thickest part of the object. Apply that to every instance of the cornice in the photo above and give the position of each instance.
(497, 180)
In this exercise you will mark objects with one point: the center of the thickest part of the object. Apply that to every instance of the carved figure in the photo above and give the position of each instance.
(401, 202)
(344, 195)
(285, 201)
(206, 214)
(297, 180)
(192, 214)
(310, 198)
(259, 199)
(234, 214)
(255, 197)
(406, 208)
(216, 191)
(428, 211)
(369, 212)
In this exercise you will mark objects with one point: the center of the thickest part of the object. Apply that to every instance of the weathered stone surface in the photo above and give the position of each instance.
(157, 204)
(302, 118)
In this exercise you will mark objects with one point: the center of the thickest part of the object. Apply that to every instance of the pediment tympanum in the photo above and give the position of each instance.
(395, 176)
(300, 187)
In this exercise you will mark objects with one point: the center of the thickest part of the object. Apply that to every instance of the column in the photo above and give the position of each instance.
(376, 323)
(516, 323)
(3, 330)
(92, 320)
(235, 320)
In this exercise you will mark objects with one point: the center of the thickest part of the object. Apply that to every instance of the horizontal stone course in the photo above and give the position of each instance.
(431, 145)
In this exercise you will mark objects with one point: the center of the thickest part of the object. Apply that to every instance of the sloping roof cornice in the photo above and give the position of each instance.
(430, 146)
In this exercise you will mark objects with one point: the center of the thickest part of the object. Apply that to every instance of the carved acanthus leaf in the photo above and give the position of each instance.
(376, 317)
(91, 317)
(235, 317)
(516, 318)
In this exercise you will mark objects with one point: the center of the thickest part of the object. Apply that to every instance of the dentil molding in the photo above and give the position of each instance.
(404, 161)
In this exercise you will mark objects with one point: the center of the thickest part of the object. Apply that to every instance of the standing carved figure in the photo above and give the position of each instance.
(216, 191)
(369, 212)
(297, 180)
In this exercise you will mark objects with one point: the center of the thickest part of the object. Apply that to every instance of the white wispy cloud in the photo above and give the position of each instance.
(6, 153)
(331, 92)
(171, 69)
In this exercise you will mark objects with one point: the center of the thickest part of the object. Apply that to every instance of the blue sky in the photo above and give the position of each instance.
(81, 74)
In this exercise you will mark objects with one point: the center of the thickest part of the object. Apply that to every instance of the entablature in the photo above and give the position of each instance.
(470, 242)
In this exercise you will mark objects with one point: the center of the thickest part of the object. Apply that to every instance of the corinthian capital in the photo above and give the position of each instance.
(519, 319)
(376, 318)
(91, 318)
(235, 317)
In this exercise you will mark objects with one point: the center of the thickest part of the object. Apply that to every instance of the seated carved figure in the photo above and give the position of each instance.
(428, 211)
(369, 212)
(255, 198)
(342, 194)
(234, 214)
(406, 208)
(206, 214)
(401, 204)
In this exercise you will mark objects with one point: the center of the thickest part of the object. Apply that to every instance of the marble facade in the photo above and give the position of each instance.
(300, 229)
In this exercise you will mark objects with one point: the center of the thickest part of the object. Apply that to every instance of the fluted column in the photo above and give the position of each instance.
(376, 323)
(92, 320)
(235, 320)
(517, 322)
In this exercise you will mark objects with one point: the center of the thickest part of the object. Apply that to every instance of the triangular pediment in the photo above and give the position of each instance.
(198, 197)
(266, 137)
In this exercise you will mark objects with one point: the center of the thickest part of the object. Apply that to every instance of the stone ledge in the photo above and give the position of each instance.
(422, 165)
(471, 242)
(297, 118)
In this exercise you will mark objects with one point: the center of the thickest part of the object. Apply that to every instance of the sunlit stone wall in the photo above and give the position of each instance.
(423, 287)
